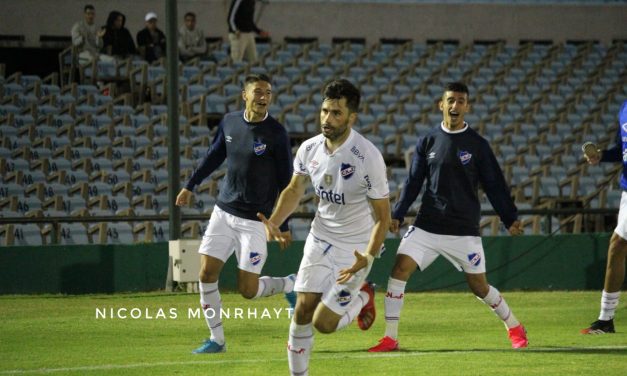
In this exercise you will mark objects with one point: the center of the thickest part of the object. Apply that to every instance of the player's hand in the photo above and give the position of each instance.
(273, 232)
(264, 34)
(237, 34)
(516, 228)
(361, 261)
(184, 197)
(591, 152)
(101, 33)
(395, 226)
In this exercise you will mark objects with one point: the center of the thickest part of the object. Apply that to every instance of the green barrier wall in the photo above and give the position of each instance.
(565, 262)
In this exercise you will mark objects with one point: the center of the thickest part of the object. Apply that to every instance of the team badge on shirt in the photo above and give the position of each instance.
(259, 148)
(346, 170)
(464, 157)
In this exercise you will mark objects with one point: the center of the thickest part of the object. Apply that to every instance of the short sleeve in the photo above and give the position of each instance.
(376, 177)
(300, 165)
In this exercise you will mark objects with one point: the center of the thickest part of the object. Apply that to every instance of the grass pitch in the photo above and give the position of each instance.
(440, 334)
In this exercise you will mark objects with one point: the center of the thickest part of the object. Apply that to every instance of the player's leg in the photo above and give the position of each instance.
(251, 49)
(251, 256)
(492, 297)
(614, 278)
(237, 52)
(300, 341)
(216, 247)
(415, 251)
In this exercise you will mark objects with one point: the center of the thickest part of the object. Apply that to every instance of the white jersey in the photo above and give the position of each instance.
(343, 180)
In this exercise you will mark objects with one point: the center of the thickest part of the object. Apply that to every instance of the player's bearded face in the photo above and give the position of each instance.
(454, 106)
(335, 118)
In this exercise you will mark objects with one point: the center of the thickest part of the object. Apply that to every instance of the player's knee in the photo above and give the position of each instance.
(247, 292)
(207, 276)
(324, 326)
(401, 272)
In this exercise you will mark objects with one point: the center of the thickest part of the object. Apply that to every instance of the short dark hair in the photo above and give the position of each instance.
(189, 14)
(458, 87)
(88, 7)
(342, 88)
(252, 78)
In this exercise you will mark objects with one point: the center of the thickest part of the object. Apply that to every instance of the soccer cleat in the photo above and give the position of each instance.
(366, 316)
(291, 296)
(386, 344)
(518, 336)
(210, 347)
(600, 327)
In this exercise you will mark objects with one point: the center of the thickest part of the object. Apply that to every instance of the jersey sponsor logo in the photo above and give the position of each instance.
(464, 156)
(259, 148)
(335, 198)
(255, 258)
(228, 138)
(624, 126)
(313, 164)
(310, 146)
(357, 153)
(474, 259)
(368, 183)
(346, 170)
(624, 155)
(431, 155)
(343, 298)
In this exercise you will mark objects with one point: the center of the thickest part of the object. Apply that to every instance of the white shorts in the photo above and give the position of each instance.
(621, 225)
(227, 233)
(464, 252)
(320, 268)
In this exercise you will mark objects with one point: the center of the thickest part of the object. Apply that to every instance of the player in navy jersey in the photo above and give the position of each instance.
(453, 160)
(259, 165)
(348, 175)
(617, 251)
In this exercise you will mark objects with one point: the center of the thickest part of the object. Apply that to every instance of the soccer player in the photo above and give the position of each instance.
(258, 156)
(348, 175)
(617, 251)
(454, 160)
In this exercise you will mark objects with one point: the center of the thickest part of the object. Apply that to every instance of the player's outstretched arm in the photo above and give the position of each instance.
(381, 210)
(287, 203)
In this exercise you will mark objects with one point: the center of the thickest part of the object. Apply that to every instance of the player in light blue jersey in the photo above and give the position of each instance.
(617, 252)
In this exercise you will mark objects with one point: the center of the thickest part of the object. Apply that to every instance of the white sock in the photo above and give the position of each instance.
(211, 305)
(609, 302)
(299, 347)
(274, 285)
(394, 299)
(353, 310)
(500, 308)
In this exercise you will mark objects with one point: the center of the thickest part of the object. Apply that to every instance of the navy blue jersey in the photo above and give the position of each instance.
(259, 165)
(618, 153)
(454, 164)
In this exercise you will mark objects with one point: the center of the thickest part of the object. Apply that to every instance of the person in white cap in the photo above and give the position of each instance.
(151, 40)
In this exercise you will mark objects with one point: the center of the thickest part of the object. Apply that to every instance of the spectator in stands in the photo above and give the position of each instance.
(87, 38)
(617, 252)
(241, 30)
(191, 40)
(151, 40)
(117, 40)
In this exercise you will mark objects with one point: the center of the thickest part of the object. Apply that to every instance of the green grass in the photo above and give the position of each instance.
(440, 334)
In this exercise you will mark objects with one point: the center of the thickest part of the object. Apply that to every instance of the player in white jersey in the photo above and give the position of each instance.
(348, 175)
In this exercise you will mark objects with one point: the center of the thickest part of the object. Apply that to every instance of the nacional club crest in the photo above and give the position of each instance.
(259, 148)
(343, 298)
(255, 258)
(474, 259)
(328, 179)
(346, 170)
(464, 157)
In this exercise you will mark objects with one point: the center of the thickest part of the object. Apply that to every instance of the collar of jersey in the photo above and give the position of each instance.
(348, 139)
(248, 121)
(453, 132)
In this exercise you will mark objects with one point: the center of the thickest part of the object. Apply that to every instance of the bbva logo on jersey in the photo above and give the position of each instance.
(346, 170)
(259, 148)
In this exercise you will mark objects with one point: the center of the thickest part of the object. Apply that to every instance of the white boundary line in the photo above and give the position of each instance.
(316, 357)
